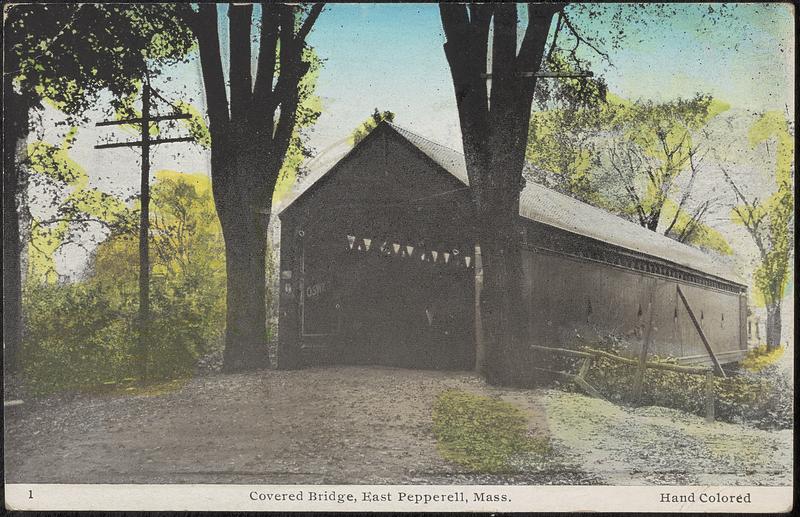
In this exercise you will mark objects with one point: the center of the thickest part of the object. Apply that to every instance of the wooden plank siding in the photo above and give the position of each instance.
(577, 289)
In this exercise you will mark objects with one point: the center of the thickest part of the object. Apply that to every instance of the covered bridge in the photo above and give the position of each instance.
(379, 265)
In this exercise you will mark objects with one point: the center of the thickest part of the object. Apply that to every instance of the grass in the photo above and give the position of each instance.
(760, 357)
(481, 433)
(133, 387)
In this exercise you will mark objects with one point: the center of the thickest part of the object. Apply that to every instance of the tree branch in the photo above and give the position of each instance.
(240, 16)
(316, 9)
(580, 39)
(540, 17)
(206, 30)
(265, 75)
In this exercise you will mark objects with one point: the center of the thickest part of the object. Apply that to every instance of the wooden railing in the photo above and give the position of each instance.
(588, 355)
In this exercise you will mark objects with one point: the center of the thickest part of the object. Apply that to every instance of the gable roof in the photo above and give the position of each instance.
(543, 205)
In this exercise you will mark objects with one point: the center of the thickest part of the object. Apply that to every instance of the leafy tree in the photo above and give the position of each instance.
(73, 207)
(80, 334)
(67, 54)
(769, 219)
(637, 159)
(369, 124)
(188, 260)
(563, 137)
(652, 146)
(252, 125)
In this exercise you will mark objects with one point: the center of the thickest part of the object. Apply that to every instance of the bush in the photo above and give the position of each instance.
(761, 357)
(82, 336)
(763, 400)
(74, 338)
(481, 433)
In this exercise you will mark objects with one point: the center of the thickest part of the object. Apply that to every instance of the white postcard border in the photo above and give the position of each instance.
(416, 498)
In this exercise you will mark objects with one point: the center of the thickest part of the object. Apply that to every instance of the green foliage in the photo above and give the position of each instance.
(196, 125)
(481, 433)
(369, 124)
(68, 53)
(688, 228)
(83, 334)
(75, 338)
(770, 221)
(62, 185)
(636, 159)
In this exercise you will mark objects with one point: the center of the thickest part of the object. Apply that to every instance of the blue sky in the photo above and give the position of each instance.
(390, 56)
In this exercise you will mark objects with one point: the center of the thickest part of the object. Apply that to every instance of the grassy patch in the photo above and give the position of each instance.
(759, 358)
(482, 433)
(155, 389)
(133, 387)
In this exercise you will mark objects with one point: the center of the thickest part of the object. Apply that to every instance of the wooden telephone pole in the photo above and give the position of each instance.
(144, 218)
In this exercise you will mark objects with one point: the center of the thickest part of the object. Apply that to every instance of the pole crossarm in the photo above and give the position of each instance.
(547, 74)
(139, 120)
(138, 143)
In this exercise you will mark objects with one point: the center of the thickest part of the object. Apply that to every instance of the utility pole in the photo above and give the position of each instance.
(144, 218)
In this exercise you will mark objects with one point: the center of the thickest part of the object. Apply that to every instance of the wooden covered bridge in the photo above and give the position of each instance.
(379, 265)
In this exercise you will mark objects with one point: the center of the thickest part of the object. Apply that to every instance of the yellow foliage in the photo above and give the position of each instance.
(196, 124)
(760, 357)
(701, 235)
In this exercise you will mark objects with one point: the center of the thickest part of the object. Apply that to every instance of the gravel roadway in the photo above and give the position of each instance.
(363, 425)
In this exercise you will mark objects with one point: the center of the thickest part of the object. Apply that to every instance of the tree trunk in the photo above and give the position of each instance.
(246, 329)
(773, 325)
(652, 221)
(244, 214)
(15, 133)
(502, 307)
(250, 137)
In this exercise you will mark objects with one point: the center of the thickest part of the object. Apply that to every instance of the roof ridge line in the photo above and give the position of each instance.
(563, 195)
(434, 142)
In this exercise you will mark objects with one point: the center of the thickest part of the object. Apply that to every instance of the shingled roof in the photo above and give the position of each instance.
(543, 205)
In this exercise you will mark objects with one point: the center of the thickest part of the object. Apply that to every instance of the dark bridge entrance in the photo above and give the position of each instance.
(377, 263)
(378, 300)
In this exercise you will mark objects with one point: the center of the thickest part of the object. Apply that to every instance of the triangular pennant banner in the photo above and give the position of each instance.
(446, 257)
(467, 260)
(367, 243)
(351, 239)
(396, 248)
(410, 250)
(435, 255)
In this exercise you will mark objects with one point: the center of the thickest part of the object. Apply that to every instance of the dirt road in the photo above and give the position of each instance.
(366, 425)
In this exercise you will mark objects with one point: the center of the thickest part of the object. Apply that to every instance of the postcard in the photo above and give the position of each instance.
(474, 257)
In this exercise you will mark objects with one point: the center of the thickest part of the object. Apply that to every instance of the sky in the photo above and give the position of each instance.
(390, 57)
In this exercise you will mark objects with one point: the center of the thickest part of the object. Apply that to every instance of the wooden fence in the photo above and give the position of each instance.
(588, 355)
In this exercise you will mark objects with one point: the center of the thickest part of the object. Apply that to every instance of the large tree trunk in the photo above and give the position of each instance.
(244, 216)
(502, 307)
(246, 330)
(249, 140)
(15, 133)
(773, 325)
